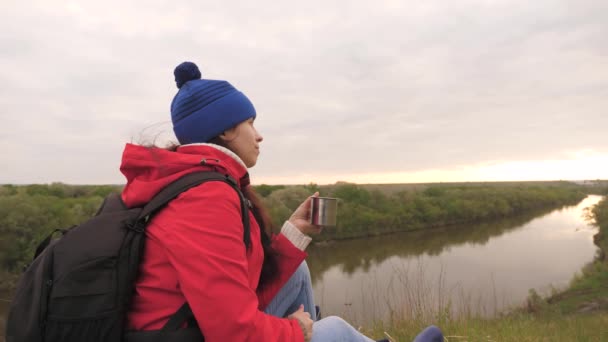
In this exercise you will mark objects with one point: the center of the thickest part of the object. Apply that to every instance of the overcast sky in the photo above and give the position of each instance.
(364, 91)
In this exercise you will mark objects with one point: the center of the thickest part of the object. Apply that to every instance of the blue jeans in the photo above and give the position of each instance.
(298, 290)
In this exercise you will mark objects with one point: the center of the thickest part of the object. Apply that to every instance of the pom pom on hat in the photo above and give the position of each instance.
(187, 71)
(202, 109)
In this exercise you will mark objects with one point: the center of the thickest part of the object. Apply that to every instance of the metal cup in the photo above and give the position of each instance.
(323, 211)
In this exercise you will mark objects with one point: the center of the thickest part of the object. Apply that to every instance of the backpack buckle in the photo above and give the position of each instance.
(138, 225)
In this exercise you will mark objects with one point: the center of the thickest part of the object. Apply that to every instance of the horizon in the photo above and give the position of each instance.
(575, 181)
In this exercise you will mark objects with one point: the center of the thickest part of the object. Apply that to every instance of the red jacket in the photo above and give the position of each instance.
(195, 250)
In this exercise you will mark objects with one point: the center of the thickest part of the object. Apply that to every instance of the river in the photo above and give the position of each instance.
(477, 268)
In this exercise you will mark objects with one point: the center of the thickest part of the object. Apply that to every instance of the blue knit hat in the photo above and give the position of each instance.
(203, 109)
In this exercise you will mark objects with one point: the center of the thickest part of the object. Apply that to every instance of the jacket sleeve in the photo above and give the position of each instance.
(204, 244)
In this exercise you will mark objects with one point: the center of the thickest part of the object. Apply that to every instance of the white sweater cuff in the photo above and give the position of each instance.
(293, 234)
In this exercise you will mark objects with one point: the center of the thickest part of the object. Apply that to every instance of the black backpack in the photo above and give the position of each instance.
(79, 286)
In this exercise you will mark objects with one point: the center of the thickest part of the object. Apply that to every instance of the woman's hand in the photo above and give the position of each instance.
(300, 218)
(304, 320)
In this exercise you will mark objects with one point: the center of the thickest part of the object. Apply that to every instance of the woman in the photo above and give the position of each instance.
(194, 249)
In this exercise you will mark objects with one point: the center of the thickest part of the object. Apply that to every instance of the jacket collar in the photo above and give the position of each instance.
(150, 169)
(220, 148)
(216, 155)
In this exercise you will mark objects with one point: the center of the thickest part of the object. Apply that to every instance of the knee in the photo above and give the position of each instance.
(335, 322)
(302, 272)
(430, 334)
(333, 328)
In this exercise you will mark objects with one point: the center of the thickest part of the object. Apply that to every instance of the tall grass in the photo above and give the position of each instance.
(417, 301)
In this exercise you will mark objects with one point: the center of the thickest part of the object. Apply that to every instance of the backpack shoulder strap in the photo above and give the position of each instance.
(171, 191)
(191, 180)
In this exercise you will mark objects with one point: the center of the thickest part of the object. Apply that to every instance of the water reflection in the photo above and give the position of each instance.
(4, 304)
(362, 254)
(492, 265)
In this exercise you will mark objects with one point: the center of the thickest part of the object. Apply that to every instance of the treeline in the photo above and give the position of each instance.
(600, 214)
(366, 213)
(598, 187)
(29, 212)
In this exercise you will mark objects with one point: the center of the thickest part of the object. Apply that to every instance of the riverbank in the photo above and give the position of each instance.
(29, 212)
(579, 313)
(364, 212)
(589, 291)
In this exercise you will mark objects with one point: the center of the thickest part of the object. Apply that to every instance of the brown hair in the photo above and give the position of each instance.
(269, 267)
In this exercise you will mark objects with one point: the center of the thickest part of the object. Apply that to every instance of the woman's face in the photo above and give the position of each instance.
(244, 140)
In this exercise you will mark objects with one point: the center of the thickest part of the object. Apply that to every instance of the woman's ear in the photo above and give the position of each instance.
(228, 135)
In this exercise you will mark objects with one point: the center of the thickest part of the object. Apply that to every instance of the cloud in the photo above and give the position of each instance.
(340, 88)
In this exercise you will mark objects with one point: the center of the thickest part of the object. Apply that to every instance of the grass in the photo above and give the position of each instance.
(514, 327)
(587, 291)
(538, 320)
